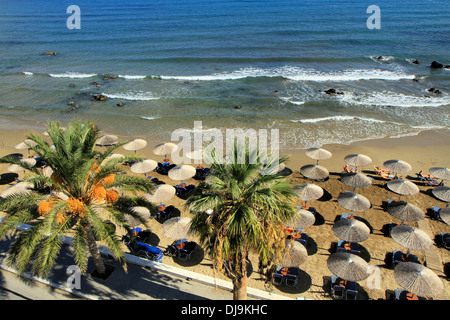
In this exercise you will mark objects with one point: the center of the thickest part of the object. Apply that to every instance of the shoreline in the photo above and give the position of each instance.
(422, 151)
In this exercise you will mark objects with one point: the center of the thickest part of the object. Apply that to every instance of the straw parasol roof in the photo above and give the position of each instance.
(144, 166)
(445, 215)
(353, 201)
(308, 191)
(163, 193)
(182, 172)
(442, 193)
(304, 218)
(195, 154)
(356, 180)
(314, 172)
(18, 188)
(318, 154)
(418, 279)
(348, 266)
(107, 140)
(397, 166)
(177, 228)
(351, 230)
(405, 211)
(17, 168)
(47, 171)
(295, 255)
(26, 144)
(357, 160)
(165, 148)
(440, 173)
(403, 187)
(136, 144)
(143, 212)
(411, 238)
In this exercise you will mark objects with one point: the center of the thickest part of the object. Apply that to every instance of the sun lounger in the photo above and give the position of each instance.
(401, 294)
(144, 250)
(445, 240)
(351, 292)
(163, 168)
(337, 288)
(351, 247)
(347, 169)
(278, 278)
(398, 256)
(201, 173)
(349, 216)
(384, 173)
(292, 277)
(299, 237)
(184, 192)
(163, 215)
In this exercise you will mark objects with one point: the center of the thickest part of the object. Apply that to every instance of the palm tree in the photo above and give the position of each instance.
(82, 188)
(239, 209)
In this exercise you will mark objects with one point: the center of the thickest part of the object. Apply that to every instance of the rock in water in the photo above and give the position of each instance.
(100, 97)
(436, 65)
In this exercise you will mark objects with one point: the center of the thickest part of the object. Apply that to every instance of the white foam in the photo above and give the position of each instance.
(386, 98)
(132, 95)
(288, 99)
(27, 73)
(73, 75)
(131, 77)
(149, 118)
(340, 118)
(298, 74)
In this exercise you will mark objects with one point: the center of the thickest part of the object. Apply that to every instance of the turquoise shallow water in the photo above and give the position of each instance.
(171, 63)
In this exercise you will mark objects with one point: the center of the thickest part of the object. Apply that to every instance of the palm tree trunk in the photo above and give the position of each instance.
(240, 281)
(93, 249)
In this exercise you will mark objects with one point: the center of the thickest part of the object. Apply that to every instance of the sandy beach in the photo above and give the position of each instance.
(423, 151)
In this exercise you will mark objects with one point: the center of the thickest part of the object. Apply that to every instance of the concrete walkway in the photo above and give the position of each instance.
(145, 280)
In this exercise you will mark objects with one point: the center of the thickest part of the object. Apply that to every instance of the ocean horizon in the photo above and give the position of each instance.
(231, 64)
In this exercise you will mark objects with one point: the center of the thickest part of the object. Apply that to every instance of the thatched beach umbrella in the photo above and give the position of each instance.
(134, 145)
(107, 140)
(353, 201)
(177, 228)
(403, 187)
(182, 172)
(418, 279)
(26, 144)
(405, 211)
(411, 238)
(164, 149)
(357, 160)
(351, 230)
(112, 156)
(195, 154)
(308, 191)
(442, 193)
(47, 171)
(314, 172)
(17, 168)
(348, 266)
(295, 255)
(304, 218)
(143, 212)
(440, 173)
(397, 166)
(318, 154)
(163, 193)
(445, 215)
(356, 180)
(18, 188)
(144, 166)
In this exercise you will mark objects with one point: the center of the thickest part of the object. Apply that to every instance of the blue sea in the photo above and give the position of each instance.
(230, 64)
